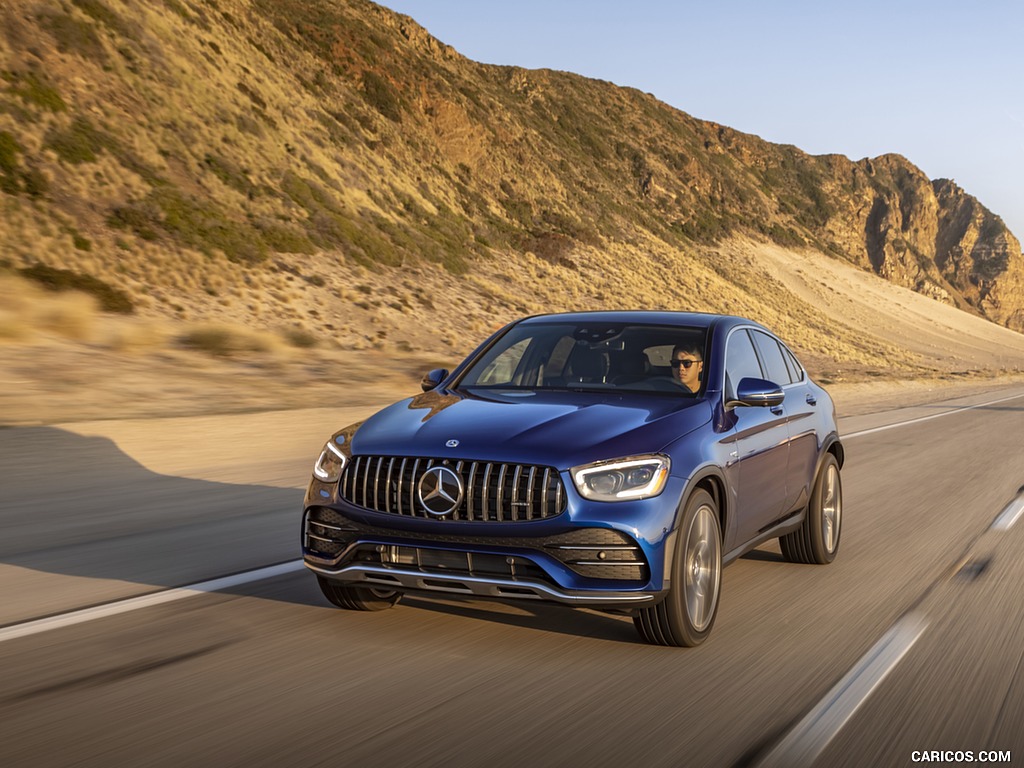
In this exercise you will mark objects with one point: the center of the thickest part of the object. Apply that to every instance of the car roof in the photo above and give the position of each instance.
(647, 317)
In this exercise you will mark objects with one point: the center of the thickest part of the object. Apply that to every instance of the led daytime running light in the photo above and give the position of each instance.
(331, 463)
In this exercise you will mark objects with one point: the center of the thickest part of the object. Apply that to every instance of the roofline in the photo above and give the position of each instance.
(642, 315)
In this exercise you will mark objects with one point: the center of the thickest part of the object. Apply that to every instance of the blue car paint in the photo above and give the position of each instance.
(735, 448)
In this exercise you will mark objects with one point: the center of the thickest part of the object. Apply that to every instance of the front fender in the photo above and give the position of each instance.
(711, 478)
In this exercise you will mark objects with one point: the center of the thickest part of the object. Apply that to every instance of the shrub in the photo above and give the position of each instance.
(9, 151)
(552, 247)
(98, 11)
(229, 173)
(35, 183)
(78, 143)
(32, 90)
(299, 337)
(74, 36)
(205, 227)
(179, 9)
(111, 299)
(227, 340)
(193, 223)
(784, 236)
(381, 95)
(285, 239)
(705, 228)
(140, 220)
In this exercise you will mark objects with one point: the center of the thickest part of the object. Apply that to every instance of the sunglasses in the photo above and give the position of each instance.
(685, 363)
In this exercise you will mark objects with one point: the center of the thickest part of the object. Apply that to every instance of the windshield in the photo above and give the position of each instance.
(597, 357)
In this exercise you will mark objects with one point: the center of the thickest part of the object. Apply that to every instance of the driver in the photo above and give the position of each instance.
(687, 366)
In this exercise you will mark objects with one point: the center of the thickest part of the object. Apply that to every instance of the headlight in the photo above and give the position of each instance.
(332, 461)
(636, 477)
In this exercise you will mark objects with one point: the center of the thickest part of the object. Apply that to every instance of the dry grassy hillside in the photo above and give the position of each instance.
(225, 204)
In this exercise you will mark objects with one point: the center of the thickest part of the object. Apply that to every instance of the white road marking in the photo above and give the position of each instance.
(927, 418)
(1010, 515)
(808, 739)
(145, 601)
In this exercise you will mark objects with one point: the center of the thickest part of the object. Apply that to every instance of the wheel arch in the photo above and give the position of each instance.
(710, 480)
(835, 447)
(707, 479)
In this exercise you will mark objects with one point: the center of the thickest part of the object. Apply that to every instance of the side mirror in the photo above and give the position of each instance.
(757, 392)
(432, 379)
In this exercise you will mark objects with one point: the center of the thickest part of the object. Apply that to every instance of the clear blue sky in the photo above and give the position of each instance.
(939, 82)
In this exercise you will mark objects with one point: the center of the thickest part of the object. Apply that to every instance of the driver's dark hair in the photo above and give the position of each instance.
(691, 348)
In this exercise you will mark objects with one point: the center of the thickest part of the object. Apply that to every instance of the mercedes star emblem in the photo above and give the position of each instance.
(440, 491)
(452, 444)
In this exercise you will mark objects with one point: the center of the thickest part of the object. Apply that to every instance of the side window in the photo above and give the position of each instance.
(503, 367)
(771, 355)
(795, 368)
(740, 362)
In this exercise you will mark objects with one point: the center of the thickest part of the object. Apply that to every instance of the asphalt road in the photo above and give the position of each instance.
(912, 640)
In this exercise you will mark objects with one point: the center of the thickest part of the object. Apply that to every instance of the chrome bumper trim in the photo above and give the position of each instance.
(396, 578)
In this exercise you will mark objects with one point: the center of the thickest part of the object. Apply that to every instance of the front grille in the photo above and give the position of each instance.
(597, 553)
(492, 492)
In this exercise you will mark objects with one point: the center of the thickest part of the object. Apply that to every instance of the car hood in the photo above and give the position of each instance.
(558, 429)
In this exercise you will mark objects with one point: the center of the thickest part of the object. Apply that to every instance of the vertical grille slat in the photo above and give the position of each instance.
(544, 492)
(470, 489)
(366, 479)
(376, 484)
(346, 480)
(485, 492)
(387, 486)
(412, 488)
(500, 504)
(515, 492)
(355, 476)
(461, 509)
(492, 491)
(401, 481)
(529, 494)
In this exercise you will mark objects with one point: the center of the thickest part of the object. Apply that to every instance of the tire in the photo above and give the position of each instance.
(817, 540)
(687, 614)
(358, 598)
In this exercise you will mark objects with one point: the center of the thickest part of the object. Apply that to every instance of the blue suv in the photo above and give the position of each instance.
(616, 460)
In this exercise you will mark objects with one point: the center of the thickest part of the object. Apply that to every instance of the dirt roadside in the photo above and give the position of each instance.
(59, 382)
(211, 423)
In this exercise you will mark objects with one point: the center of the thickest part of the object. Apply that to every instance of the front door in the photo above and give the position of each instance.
(759, 455)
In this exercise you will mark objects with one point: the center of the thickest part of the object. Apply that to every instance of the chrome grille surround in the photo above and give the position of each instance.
(494, 491)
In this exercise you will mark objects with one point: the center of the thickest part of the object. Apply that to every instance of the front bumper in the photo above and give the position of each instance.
(580, 566)
(473, 586)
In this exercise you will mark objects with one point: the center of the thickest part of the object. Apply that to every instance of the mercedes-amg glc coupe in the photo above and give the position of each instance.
(616, 460)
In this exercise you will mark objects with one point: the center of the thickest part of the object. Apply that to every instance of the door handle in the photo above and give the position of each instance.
(812, 400)
(777, 410)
